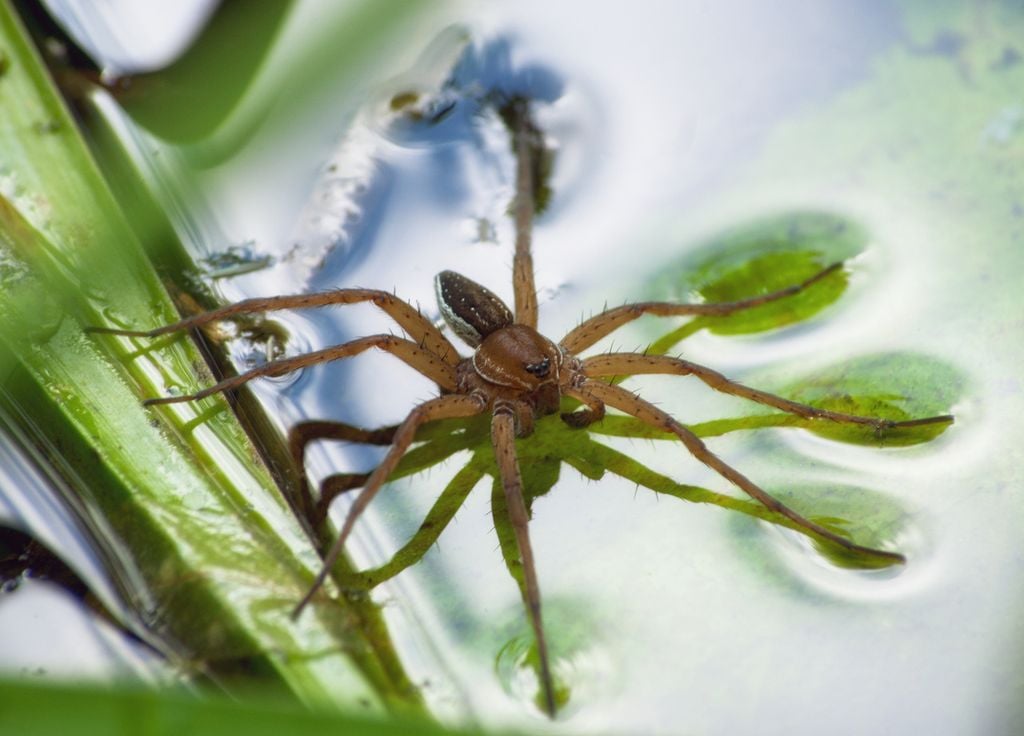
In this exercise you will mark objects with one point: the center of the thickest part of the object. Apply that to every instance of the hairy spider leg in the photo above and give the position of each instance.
(312, 430)
(443, 407)
(308, 431)
(419, 328)
(591, 330)
(424, 361)
(633, 405)
(334, 485)
(526, 138)
(503, 433)
(631, 364)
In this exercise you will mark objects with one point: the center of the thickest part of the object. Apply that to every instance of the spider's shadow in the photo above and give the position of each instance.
(541, 456)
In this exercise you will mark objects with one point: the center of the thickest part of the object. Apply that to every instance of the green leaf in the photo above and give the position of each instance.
(183, 499)
(873, 519)
(215, 102)
(195, 94)
(896, 386)
(756, 259)
(31, 709)
(836, 517)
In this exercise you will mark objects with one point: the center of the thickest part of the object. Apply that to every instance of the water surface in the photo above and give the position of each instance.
(673, 124)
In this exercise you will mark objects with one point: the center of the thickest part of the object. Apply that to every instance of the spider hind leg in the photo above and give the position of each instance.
(443, 407)
(503, 440)
(633, 364)
(633, 405)
(306, 432)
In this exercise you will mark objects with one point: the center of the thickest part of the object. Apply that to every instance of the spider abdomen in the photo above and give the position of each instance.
(472, 311)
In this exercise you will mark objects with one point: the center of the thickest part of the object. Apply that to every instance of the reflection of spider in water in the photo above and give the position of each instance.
(517, 375)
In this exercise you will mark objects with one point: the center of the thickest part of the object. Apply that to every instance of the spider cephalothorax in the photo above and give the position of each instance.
(516, 375)
(513, 367)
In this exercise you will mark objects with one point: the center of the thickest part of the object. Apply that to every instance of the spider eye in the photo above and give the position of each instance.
(539, 369)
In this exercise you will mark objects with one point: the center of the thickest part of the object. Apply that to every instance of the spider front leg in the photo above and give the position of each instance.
(601, 325)
(423, 360)
(629, 364)
(421, 330)
(443, 407)
(503, 433)
(623, 400)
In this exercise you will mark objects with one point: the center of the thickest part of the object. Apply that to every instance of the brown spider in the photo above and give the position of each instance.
(517, 375)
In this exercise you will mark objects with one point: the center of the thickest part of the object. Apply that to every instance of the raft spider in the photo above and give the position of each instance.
(517, 375)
